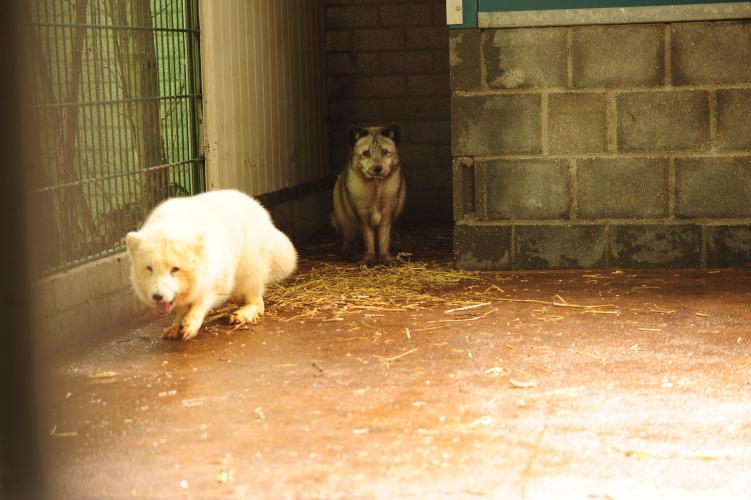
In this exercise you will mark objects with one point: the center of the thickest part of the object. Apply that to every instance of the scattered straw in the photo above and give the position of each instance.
(329, 291)
(395, 358)
(540, 368)
(559, 304)
(466, 308)
(473, 318)
(522, 384)
(590, 355)
(55, 433)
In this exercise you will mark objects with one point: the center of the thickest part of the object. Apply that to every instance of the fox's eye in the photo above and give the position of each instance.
(366, 153)
(385, 152)
(149, 269)
(174, 270)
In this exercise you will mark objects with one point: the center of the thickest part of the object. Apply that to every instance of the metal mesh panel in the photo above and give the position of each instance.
(117, 108)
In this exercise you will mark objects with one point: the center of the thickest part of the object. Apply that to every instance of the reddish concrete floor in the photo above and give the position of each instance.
(530, 400)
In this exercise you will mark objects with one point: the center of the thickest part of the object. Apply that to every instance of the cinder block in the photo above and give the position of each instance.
(430, 178)
(733, 119)
(618, 55)
(428, 85)
(527, 189)
(80, 322)
(125, 269)
(413, 155)
(484, 247)
(712, 187)
(716, 52)
(366, 86)
(56, 331)
(464, 189)
(655, 245)
(44, 298)
(728, 245)
(353, 63)
(351, 16)
(105, 276)
(407, 15)
(48, 332)
(338, 40)
(427, 208)
(409, 61)
(444, 154)
(560, 246)
(464, 58)
(415, 108)
(427, 38)
(525, 57)
(622, 188)
(378, 39)
(419, 204)
(441, 61)
(100, 317)
(339, 156)
(663, 121)
(71, 289)
(126, 308)
(437, 131)
(439, 13)
(339, 133)
(578, 123)
(355, 110)
(498, 124)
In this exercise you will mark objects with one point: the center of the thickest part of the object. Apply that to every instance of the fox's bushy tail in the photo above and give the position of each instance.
(283, 257)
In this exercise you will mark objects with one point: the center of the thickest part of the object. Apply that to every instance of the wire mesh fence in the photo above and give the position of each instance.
(117, 106)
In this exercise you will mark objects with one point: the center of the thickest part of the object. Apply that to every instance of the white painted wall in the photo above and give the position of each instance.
(264, 80)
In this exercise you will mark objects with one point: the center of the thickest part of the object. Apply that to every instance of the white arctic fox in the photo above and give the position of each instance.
(194, 253)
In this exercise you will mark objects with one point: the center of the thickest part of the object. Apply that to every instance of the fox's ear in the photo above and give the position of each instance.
(133, 242)
(392, 132)
(355, 134)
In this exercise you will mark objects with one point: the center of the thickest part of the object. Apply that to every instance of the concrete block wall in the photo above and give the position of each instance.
(602, 146)
(86, 301)
(388, 63)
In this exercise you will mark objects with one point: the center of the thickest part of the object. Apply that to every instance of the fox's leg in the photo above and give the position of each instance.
(368, 239)
(193, 319)
(173, 331)
(252, 293)
(349, 238)
(384, 241)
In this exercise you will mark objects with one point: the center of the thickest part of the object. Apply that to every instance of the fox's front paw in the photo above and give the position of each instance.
(388, 260)
(368, 260)
(247, 314)
(172, 332)
(190, 327)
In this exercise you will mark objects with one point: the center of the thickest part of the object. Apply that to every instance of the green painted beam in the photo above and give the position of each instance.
(520, 5)
(469, 8)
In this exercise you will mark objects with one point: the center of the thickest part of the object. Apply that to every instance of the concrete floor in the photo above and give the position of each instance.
(647, 398)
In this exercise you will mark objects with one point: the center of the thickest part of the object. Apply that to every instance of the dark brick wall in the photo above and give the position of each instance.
(591, 146)
(388, 63)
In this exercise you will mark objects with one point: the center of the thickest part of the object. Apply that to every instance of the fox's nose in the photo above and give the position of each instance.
(378, 169)
(158, 297)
